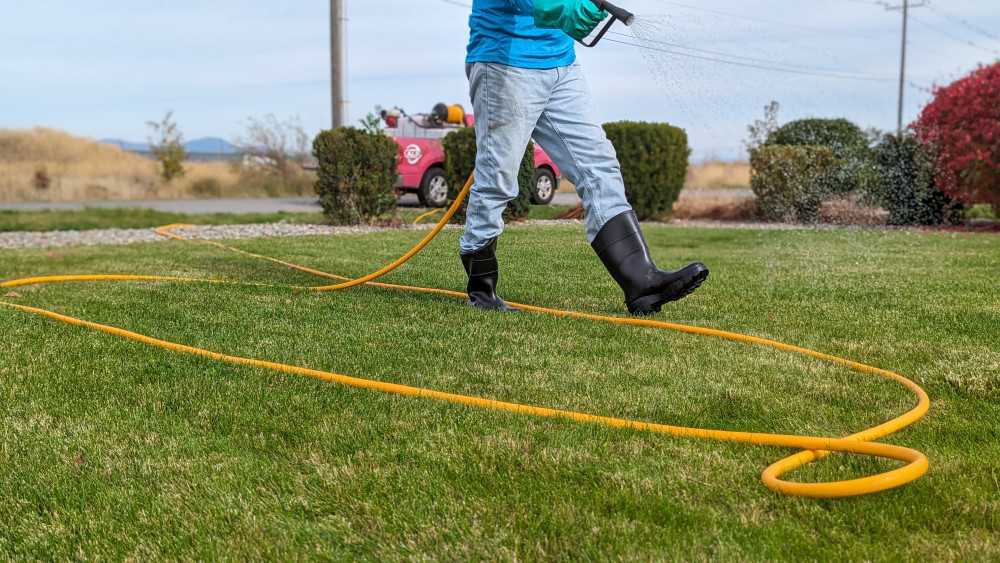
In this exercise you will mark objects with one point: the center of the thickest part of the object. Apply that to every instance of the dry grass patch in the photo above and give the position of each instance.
(716, 175)
(224, 173)
(717, 208)
(50, 165)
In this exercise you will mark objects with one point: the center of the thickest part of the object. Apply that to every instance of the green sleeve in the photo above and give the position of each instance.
(576, 17)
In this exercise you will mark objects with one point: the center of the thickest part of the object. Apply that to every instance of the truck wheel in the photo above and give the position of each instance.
(434, 189)
(545, 187)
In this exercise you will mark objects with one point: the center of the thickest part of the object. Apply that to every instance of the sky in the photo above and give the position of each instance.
(104, 68)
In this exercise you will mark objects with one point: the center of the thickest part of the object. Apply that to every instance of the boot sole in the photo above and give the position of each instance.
(677, 290)
(500, 307)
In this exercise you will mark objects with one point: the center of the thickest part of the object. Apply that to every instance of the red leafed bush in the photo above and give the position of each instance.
(961, 126)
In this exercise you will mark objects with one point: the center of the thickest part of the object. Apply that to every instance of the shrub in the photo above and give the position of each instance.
(961, 126)
(41, 180)
(787, 180)
(852, 170)
(654, 159)
(460, 160)
(273, 147)
(357, 174)
(981, 211)
(168, 148)
(905, 169)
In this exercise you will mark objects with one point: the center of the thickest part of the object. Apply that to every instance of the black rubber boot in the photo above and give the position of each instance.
(482, 268)
(623, 250)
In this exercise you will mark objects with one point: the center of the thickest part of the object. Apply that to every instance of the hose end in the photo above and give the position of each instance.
(620, 14)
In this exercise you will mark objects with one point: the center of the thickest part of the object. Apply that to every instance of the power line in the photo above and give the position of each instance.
(826, 74)
(911, 45)
(773, 22)
(770, 62)
(955, 37)
(869, 2)
(955, 19)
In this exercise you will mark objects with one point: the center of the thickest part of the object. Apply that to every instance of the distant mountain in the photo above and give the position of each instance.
(205, 145)
(211, 145)
(127, 145)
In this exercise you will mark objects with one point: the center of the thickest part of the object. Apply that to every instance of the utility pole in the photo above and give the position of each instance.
(902, 63)
(336, 62)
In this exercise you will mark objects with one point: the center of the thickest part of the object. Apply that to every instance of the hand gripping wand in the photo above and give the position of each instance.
(619, 14)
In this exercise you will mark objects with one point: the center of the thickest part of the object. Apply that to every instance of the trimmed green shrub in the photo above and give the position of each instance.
(460, 160)
(357, 174)
(852, 170)
(788, 180)
(906, 170)
(654, 159)
(981, 211)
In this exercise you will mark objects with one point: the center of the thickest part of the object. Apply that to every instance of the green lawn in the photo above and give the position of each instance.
(116, 449)
(124, 218)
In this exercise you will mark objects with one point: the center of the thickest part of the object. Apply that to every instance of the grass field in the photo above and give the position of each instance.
(115, 449)
(43, 164)
(717, 175)
(96, 218)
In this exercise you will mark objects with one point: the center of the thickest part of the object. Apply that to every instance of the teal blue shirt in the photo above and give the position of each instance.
(503, 31)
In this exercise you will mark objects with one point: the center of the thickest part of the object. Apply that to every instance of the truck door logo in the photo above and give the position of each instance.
(412, 154)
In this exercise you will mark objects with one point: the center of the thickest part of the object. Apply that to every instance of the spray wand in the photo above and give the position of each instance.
(619, 14)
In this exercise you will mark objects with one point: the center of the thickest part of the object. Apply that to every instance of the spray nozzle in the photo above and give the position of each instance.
(620, 14)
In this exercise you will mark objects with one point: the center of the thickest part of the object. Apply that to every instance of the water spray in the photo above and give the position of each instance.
(617, 14)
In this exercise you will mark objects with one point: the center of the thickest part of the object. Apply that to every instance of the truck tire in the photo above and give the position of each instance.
(545, 187)
(433, 189)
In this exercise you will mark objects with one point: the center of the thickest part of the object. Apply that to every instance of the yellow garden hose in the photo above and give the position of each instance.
(428, 214)
(813, 447)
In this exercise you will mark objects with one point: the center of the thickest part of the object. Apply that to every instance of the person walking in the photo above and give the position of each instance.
(525, 83)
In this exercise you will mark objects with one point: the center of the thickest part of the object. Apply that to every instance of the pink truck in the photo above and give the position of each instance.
(421, 163)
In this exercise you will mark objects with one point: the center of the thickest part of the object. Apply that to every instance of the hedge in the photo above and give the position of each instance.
(906, 169)
(460, 160)
(654, 160)
(357, 174)
(852, 170)
(788, 180)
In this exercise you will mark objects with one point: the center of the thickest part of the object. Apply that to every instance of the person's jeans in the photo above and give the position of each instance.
(551, 106)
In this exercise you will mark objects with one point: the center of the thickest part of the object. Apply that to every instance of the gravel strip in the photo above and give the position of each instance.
(759, 225)
(94, 237)
(53, 239)
(274, 230)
